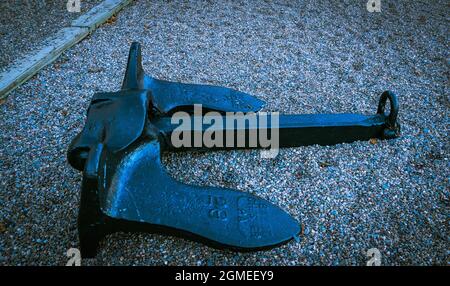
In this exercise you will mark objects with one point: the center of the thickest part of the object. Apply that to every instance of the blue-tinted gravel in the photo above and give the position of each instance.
(25, 23)
(301, 57)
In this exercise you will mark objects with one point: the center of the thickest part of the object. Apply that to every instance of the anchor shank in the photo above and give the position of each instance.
(293, 130)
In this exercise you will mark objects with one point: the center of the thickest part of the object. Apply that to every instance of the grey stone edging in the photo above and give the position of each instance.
(65, 38)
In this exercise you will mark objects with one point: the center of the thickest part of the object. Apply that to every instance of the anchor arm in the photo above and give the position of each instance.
(129, 190)
(168, 97)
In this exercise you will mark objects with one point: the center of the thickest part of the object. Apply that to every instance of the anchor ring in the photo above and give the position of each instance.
(393, 127)
(392, 117)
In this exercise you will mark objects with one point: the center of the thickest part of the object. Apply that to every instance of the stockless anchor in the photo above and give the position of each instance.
(125, 186)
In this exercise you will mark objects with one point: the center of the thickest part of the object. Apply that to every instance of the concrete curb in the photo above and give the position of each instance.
(24, 69)
(99, 14)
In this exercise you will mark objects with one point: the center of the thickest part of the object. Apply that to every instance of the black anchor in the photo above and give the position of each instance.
(125, 186)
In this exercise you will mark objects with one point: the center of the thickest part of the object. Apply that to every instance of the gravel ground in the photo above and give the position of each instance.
(302, 57)
(25, 23)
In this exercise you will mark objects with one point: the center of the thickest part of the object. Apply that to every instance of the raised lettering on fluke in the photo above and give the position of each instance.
(125, 186)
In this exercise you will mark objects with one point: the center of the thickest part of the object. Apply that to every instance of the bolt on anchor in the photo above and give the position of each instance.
(126, 188)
